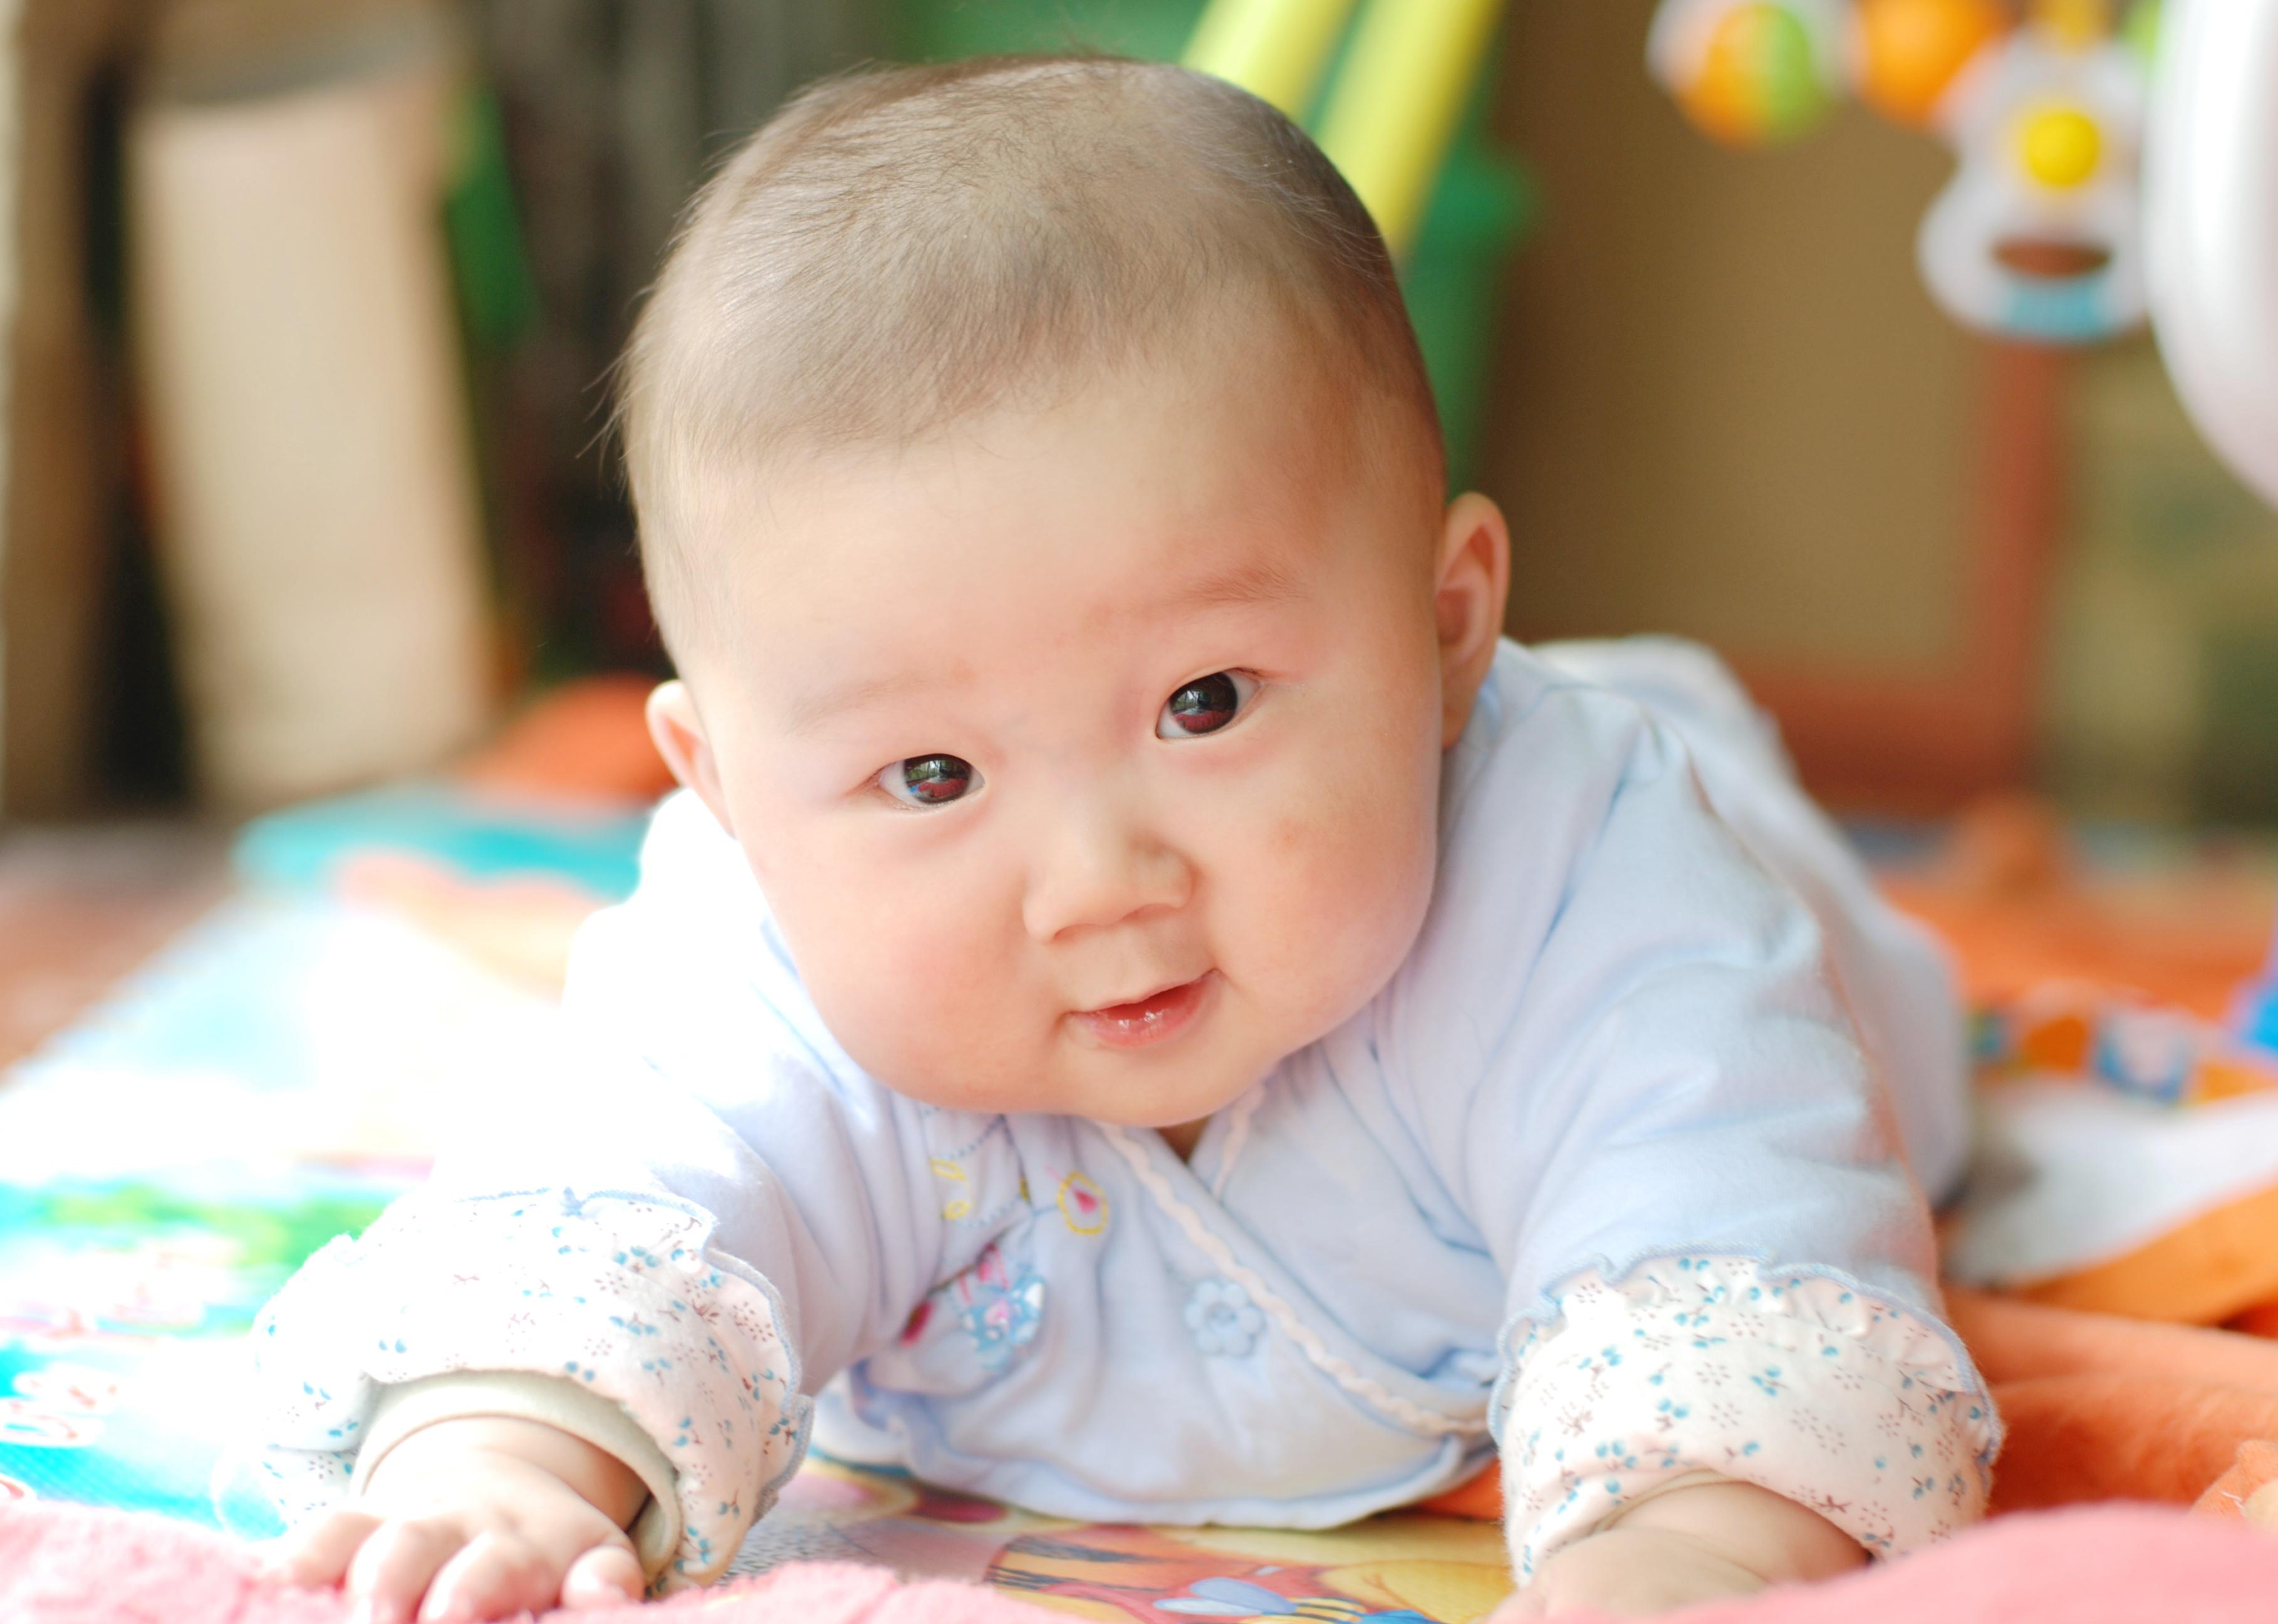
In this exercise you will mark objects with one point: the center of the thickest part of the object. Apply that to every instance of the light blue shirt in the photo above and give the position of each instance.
(1623, 1035)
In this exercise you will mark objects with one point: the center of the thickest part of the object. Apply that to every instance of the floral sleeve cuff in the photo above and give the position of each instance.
(619, 1294)
(1805, 1384)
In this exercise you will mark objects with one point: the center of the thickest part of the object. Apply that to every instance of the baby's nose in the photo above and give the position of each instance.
(1097, 871)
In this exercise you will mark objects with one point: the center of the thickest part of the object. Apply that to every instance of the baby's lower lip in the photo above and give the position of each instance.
(1154, 1019)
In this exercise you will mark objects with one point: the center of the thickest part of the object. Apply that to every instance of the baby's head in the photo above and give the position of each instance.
(1043, 501)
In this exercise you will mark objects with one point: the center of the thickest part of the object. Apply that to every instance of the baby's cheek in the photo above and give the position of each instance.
(1337, 907)
(923, 1003)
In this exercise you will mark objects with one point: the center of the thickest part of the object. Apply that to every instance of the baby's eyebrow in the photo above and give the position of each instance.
(1259, 581)
(815, 707)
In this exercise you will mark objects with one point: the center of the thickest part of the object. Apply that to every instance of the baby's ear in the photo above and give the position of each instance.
(678, 729)
(1472, 582)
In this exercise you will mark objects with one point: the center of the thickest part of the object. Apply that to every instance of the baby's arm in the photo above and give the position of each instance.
(479, 1517)
(1697, 1541)
(1643, 1086)
(713, 1213)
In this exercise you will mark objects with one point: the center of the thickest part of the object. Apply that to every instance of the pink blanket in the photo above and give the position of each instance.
(2101, 1565)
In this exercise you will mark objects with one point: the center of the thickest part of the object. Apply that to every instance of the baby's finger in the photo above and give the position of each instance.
(318, 1552)
(391, 1573)
(494, 1577)
(605, 1577)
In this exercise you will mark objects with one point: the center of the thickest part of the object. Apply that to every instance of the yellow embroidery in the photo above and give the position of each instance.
(1082, 1205)
(957, 1207)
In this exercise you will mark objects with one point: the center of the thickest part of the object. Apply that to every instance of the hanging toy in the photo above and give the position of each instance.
(1907, 53)
(2039, 236)
(1752, 72)
(2039, 233)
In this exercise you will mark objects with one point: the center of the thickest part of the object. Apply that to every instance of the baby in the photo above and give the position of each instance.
(1148, 1008)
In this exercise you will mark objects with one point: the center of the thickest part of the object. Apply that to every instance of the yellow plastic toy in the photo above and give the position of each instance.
(1273, 49)
(1393, 114)
(2039, 236)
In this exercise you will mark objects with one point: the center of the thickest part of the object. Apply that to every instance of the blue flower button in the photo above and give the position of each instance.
(1223, 1319)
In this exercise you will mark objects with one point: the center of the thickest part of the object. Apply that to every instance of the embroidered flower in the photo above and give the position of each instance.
(1000, 1311)
(1223, 1319)
(1081, 1205)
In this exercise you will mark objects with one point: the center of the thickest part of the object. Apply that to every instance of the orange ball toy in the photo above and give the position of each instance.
(1911, 51)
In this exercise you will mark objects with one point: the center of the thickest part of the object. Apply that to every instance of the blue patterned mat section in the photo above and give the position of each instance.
(271, 1080)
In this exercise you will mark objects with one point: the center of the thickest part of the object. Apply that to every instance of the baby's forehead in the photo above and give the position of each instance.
(1246, 409)
(1109, 509)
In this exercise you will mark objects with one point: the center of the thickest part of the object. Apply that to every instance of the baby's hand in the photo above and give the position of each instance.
(483, 1518)
(1701, 1542)
(1631, 1572)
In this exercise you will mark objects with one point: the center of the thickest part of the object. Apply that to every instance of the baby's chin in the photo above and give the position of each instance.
(1130, 1106)
(1181, 1084)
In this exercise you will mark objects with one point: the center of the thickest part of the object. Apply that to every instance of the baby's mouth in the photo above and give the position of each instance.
(1153, 1019)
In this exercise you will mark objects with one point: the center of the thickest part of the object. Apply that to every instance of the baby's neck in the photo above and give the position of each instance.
(1182, 1138)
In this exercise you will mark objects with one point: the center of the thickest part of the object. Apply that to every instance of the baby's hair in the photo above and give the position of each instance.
(900, 249)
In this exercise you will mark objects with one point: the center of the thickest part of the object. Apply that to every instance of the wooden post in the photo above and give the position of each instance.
(52, 539)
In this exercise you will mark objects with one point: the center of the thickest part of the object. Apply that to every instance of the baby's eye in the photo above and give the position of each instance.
(929, 780)
(1204, 705)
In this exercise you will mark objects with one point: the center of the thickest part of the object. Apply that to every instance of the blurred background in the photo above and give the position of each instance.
(312, 302)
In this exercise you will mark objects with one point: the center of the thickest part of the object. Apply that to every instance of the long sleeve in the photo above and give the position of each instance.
(1640, 1081)
(715, 1213)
